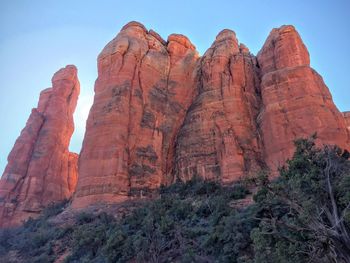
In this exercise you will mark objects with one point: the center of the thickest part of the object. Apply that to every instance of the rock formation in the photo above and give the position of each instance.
(296, 102)
(162, 113)
(144, 87)
(40, 168)
(219, 138)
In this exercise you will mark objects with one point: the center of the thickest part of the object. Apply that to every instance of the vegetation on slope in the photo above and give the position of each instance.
(302, 216)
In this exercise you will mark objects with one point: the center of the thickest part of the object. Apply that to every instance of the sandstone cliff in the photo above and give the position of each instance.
(296, 102)
(162, 113)
(144, 88)
(219, 138)
(40, 168)
(347, 119)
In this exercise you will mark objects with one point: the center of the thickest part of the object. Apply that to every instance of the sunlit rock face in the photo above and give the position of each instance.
(144, 88)
(295, 101)
(40, 168)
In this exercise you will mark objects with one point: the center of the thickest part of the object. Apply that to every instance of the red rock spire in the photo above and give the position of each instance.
(219, 138)
(296, 102)
(40, 168)
(143, 89)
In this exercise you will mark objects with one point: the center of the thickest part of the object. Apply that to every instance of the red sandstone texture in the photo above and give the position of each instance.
(40, 168)
(219, 139)
(347, 119)
(144, 88)
(296, 102)
(163, 113)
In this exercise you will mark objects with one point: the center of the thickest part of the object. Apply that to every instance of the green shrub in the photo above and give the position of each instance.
(176, 227)
(83, 218)
(304, 211)
(196, 222)
(55, 208)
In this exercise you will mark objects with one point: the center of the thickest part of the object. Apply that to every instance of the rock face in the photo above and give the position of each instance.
(347, 119)
(162, 113)
(144, 87)
(219, 138)
(296, 102)
(40, 168)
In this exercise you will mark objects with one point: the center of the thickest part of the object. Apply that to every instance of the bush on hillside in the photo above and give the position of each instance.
(302, 216)
(305, 212)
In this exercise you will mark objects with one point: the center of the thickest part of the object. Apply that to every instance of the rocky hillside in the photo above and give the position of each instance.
(302, 216)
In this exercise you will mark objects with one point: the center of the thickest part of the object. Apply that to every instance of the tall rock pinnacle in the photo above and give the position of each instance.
(296, 102)
(219, 138)
(40, 168)
(144, 87)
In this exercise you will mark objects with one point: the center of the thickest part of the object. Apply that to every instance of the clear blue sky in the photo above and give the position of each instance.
(39, 37)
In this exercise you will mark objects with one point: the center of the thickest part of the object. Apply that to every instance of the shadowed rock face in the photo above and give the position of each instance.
(296, 102)
(40, 168)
